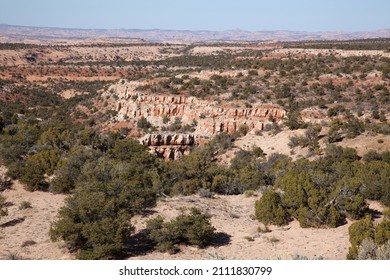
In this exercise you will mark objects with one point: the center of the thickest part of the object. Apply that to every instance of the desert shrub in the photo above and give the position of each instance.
(334, 111)
(205, 193)
(95, 221)
(369, 241)
(241, 159)
(269, 209)
(36, 167)
(375, 181)
(294, 121)
(57, 137)
(221, 142)
(275, 166)
(25, 205)
(371, 156)
(347, 198)
(382, 232)
(321, 193)
(165, 119)
(354, 127)
(309, 139)
(295, 141)
(295, 187)
(243, 129)
(359, 231)
(69, 168)
(3, 210)
(186, 186)
(312, 136)
(17, 140)
(143, 123)
(367, 250)
(257, 151)
(246, 178)
(222, 183)
(5, 182)
(190, 227)
(199, 170)
(250, 193)
(335, 153)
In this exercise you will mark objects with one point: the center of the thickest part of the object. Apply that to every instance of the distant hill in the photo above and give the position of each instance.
(21, 33)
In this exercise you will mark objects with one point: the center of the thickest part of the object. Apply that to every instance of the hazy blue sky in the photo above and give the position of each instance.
(297, 15)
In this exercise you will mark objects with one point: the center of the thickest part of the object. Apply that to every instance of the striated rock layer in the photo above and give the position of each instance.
(209, 117)
(170, 146)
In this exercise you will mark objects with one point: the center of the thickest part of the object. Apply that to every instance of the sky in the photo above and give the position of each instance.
(214, 15)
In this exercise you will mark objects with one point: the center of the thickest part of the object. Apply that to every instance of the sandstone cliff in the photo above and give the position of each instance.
(210, 117)
(169, 146)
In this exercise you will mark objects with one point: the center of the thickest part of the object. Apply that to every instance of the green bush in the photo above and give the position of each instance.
(382, 232)
(295, 187)
(25, 205)
(269, 209)
(358, 232)
(369, 241)
(69, 168)
(190, 227)
(36, 167)
(375, 181)
(143, 123)
(96, 219)
(348, 199)
(3, 210)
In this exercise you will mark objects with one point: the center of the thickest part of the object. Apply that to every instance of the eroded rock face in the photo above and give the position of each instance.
(169, 146)
(168, 140)
(211, 117)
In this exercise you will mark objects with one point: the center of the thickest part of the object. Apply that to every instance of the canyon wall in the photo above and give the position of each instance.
(211, 117)
(208, 117)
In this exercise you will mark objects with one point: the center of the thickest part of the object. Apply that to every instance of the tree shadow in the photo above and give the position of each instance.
(147, 213)
(8, 204)
(220, 239)
(139, 244)
(375, 214)
(12, 222)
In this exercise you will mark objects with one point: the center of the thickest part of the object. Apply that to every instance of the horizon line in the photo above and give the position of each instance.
(193, 30)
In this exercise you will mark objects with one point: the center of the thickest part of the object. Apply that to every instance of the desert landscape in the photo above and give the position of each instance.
(108, 143)
(28, 239)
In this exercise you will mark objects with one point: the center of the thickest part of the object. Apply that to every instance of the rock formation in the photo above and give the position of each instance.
(169, 146)
(210, 117)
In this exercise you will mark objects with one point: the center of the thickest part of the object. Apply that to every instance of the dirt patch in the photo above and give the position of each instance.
(233, 216)
(24, 232)
(365, 143)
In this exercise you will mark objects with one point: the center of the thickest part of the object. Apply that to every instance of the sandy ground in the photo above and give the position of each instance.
(365, 143)
(31, 224)
(278, 143)
(232, 216)
(270, 143)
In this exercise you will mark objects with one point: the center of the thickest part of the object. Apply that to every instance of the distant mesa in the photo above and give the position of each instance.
(20, 33)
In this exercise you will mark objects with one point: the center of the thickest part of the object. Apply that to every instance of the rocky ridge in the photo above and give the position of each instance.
(210, 117)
